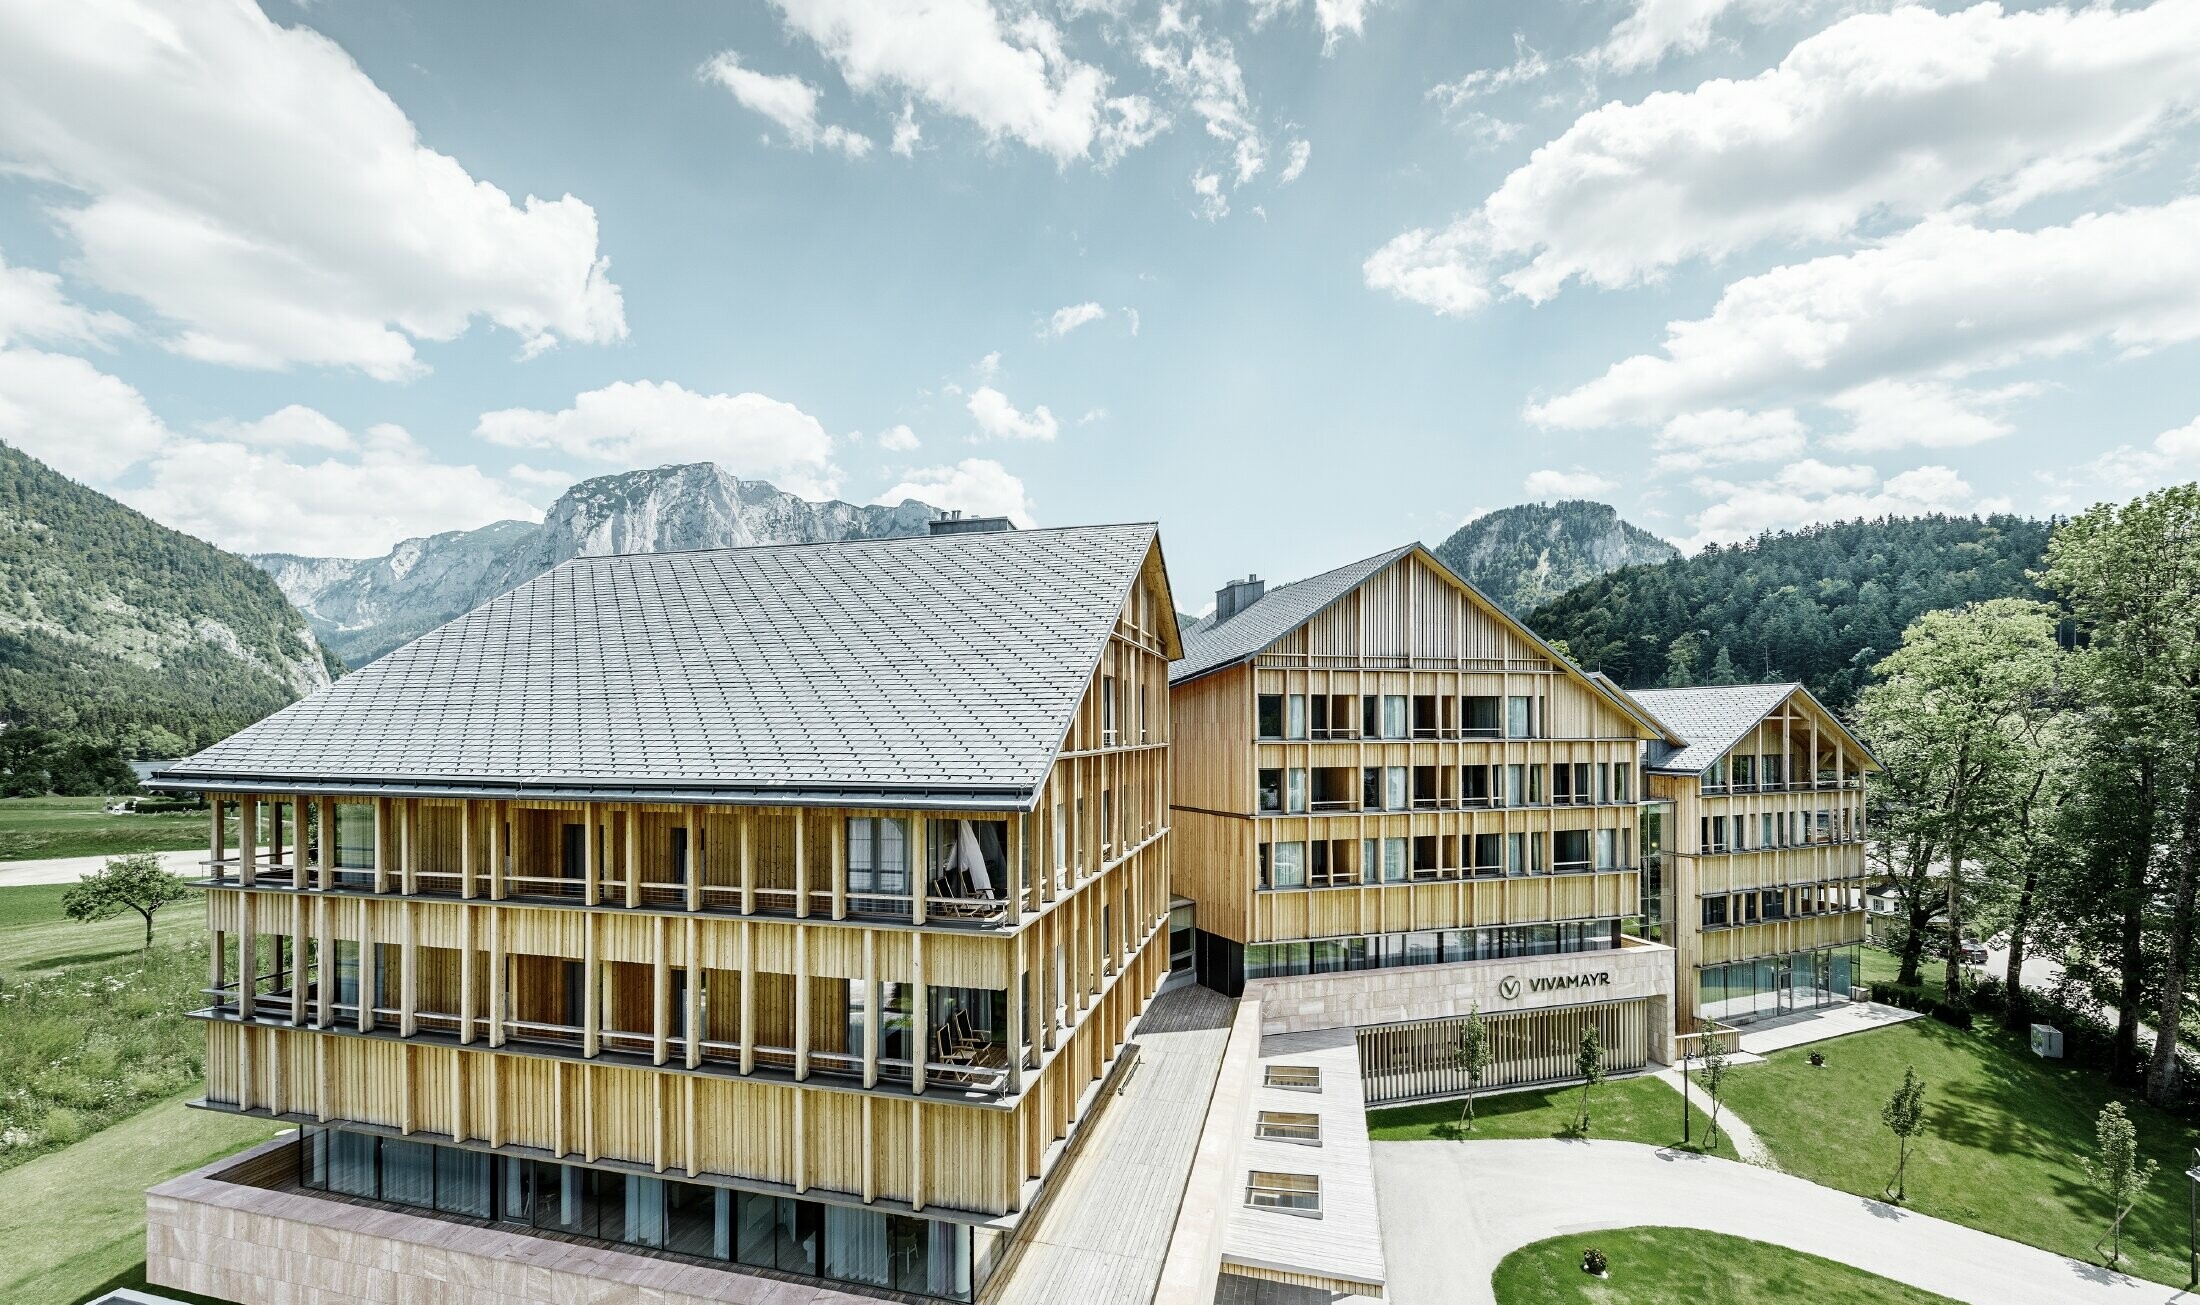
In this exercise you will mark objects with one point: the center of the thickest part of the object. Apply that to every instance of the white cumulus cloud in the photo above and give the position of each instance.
(1945, 298)
(897, 439)
(1989, 109)
(646, 423)
(788, 101)
(75, 418)
(1893, 414)
(258, 191)
(1071, 316)
(979, 486)
(1812, 491)
(1713, 437)
(33, 307)
(1000, 419)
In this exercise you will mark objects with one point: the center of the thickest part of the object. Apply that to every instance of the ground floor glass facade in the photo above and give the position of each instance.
(840, 1243)
(1384, 951)
(1775, 985)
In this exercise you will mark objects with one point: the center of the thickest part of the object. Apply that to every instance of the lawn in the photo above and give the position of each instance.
(1683, 1266)
(72, 1223)
(36, 938)
(1639, 1109)
(2005, 1131)
(1879, 968)
(32, 828)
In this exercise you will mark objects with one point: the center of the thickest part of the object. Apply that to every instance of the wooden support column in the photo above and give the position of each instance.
(498, 813)
(327, 859)
(298, 952)
(408, 969)
(248, 955)
(217, 833)
(694, 858)
(748, 997)
(368, 979)
(916, 1155)
(496, 976)
(871, 1016)
(1016, 1015)
(920, 872)
(633, 856)
(660, 1005)
(920, 1030)
(382, 845)
(692, 1021)
(591, 988)
(801, 868)
(591, 859)
(466, 975)
(748, 866)
(687, 1123)
(217, 962)
(466, 815)
(870, 1152)
(248, 839)
(1018, 827)
(840, 868)
(408, 846)
(801, 1005)
(324, 978)
(801, 1145)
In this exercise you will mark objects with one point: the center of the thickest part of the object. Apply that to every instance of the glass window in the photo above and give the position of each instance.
(1270, 790)
(1488, 851)
(1516, 786)
(1571, 850)
(1371, 789)
(1714, 911)
(1518, 717)
(1516, 854)
(697, 1220)
(354, 836)
(1296, 1078)
(408, 1172)
(462, 1181)
(1295, 722)
(1623, 782)
(1288, 865)
(1394, 789)
(856, 1247)
(1297, 794)
(1480, 715)
(1288, 1126)
(1394, 716)
(1298, 1193)
(1394, 860)
(1608, 849)
(1269, 715)
(351, 1164)
(878, 854)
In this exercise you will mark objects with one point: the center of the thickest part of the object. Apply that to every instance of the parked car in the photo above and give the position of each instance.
(1972, 951)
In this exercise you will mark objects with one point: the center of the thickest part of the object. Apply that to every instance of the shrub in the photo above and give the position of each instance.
(61, 1126)
(1593, 1261)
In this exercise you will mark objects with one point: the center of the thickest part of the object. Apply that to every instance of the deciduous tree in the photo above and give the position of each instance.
(126, 883)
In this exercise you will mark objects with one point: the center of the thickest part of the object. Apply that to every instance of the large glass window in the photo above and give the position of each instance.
(878, 855)
(1294, 725)
(1519, 717)
(1283, 865)
(1269, 790)
(354, 836)
(1295, 797)
(1394, 716)
(1268, 715)
(1395, 790)
(1481, 717)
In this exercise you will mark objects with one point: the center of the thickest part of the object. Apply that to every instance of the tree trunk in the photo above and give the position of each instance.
(148, 928)
(1921, 915)
(1951, 986)
(2016, 1006)
(2124, 1056)
(2162, 1073)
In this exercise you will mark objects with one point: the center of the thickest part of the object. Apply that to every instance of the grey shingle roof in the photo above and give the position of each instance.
(1209, 647)
(1711, 718)
(932, 669)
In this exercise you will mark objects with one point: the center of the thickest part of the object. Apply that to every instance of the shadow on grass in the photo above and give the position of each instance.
(46, 964)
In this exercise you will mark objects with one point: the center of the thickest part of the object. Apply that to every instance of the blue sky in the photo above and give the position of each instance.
(1298, 279)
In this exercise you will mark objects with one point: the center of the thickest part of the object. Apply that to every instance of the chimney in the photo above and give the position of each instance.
(955, 523)
(1238, 595)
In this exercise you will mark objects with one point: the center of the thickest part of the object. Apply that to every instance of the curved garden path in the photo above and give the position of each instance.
(1451, 1211)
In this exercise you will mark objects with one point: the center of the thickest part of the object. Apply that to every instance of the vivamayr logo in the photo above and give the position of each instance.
(1509, 987)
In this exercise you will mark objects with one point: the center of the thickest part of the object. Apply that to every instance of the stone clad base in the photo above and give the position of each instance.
(255, 1246)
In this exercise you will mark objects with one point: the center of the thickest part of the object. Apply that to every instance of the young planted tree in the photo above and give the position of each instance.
(1472, 1056)
(2131, 574)
(126, 883)
(1949, 712)
(1589, 1063)
(1904, 1116)
(1713, 1061)
(2118, 1171)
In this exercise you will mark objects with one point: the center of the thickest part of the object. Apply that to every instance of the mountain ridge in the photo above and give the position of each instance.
(365, 607)
(1528, 554)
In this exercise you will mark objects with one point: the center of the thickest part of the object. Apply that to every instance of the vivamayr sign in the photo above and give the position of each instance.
(1510, 986)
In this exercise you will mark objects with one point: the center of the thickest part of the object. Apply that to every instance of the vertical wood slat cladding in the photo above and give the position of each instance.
(481, 943)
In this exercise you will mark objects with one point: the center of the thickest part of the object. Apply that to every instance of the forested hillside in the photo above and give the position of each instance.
(1819, 605)
(1526, 555)
(116, 630)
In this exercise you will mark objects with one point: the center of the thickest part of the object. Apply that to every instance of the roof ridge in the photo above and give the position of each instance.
(790, 544)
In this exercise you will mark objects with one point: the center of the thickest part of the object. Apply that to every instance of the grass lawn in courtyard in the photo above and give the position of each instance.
(34, 828)
(2005, 1133)
(1684, 1266)
(1878, 968)
(1638, 1109)
(72, 1222)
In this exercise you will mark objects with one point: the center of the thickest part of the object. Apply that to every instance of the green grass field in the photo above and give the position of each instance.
(1879, 968)
(1682, 1266)
(32, 828)
(72, 1222)
(36, 938)
(1637, 1109)
(2005, 1134)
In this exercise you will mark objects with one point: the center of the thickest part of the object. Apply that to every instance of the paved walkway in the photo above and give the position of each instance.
(1766, 1036)
(1452, 1211)
(69, 869)
(1733, 1127)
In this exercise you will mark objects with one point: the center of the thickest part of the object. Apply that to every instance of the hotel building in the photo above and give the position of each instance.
(1759, 821)
(1395, 804)
(767, 914)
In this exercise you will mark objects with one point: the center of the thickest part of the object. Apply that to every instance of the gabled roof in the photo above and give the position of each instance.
(936, 671)
(1210, 647)
(1713, 718)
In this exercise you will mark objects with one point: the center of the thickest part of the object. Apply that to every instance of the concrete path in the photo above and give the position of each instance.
(1766, 1036)
(69, 869)
(1452, 1211)
(1747, 1145)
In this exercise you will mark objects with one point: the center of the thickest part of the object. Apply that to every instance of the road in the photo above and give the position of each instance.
(69, 869)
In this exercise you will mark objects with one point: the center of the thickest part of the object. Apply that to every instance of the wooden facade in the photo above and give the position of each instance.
(712, 990)
(1766, 846)
(1415, 819)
